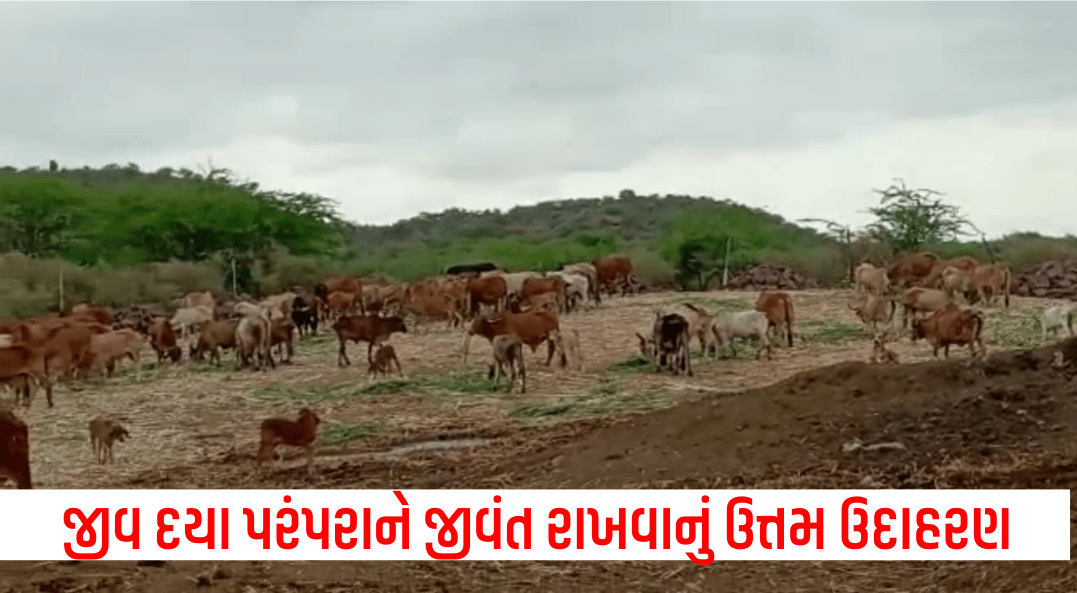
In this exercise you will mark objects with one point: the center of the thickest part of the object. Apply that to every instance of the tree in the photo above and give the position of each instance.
(843, 235)
(909, 218)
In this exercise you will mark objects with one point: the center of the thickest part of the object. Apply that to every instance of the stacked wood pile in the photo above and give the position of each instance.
(770, 276)
(1056, 278)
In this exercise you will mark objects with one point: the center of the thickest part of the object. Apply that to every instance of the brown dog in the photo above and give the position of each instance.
(299, 433)
(104, 431)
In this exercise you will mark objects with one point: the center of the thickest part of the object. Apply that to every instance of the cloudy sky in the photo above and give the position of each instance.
(402, 107)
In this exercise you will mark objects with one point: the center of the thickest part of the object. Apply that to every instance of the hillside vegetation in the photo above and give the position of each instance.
(122, 235)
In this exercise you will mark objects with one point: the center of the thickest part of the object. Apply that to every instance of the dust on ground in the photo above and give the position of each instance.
(1009, 421)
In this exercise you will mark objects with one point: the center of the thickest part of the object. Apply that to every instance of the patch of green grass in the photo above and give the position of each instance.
(543, 410)
(833, 332)
(603, 399)
(387, 386)
(338, 433)
(635, 363)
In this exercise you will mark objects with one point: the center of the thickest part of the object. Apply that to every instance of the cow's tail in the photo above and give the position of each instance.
(788, 320)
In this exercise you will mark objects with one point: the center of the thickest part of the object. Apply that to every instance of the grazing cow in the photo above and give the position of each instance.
(365, 328)
(612, 271)
(322, 290)
(14, 449)
(109, 348)
(425, 306)
(163, 340)
(587, 270)
(1057, 317)
(199, 299)
(699, 326)
(533, 328)
(21, 367)
(252, 341)
(103, 432)
(281, 332)
(778, 307)
(950, 325)
(909, 269)
(990, 281)
(922, 300)
(670, 340)
(214, 336)
(874, 309)
(298, 433)
(384, 359)
(305, 315)
(189, 321)
(567, 342)
(870, 279)
(489, 290)
(508, 351)
(535, 286)
(63, 344)
(743, 324)
(964, 263)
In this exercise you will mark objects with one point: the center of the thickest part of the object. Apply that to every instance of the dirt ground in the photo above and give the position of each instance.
(1009, 421)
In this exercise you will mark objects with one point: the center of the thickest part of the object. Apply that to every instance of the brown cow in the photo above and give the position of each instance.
(490, 291)
(214, 336)
(508, 351)
(298, 433)
(323, 289)
(551, 284)
(87, 312)
(951, 325)
(14, 449)
(922, 300)
(342, 303)
(253, 341)
(868, 278)
(612, 271)
(281, 332)
(533, 328)
(365, 328)
(778, 307)
(21, 367)
(109, 348)
(910, 269)
(424, 306)
(163, 340)
(964, 263)
(874, 309)
(991, 280)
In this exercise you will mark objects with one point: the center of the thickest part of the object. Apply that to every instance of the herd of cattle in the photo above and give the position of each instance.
(510, 310)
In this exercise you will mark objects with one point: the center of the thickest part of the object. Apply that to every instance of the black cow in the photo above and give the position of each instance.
(671, 340)
(305, 315)
(470, 269)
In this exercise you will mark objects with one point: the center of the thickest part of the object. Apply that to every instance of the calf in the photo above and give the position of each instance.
(365, 328)
(879, 351)
(554, 285)
(671, 343)
(922, 300)
(874, 309)
(950, 325)
(990, 281)
(214, 336)
(533, 328)
(300, 433)
(508, 351)
(959, 283)
(109, 348)
(384, 358)
(21, 367)
(252, 342)
(743, 324)
(778, 307)
(14, 449)
(490, 291)
(1057, 317)
(103, 432)
(163, 340)
(868, 278)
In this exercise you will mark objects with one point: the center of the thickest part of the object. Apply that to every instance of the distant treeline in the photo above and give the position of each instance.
(122, 235)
